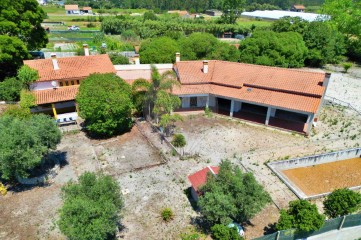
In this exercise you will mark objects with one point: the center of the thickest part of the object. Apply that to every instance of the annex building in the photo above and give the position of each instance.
(289, 99)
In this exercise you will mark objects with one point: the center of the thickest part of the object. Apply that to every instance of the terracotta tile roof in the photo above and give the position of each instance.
(87, 8)
(199, 178)
(71, 67)
(239, 74)
(268, 97)
(56, 95)
(299, 7)
(71, 7)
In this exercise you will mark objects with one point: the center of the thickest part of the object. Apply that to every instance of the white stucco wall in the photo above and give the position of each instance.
(42, 85)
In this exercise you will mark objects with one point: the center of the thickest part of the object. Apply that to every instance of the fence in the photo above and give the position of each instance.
(332, 224)
(342, 103)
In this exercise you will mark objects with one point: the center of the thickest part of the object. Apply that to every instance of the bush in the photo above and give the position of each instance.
(301, 215)
(167, 214)
(90, 25)
(17, 112)
(222, 232)
(105, 103)
(91, 208)
(24, 142)
(118, 59)
(179, 140)
(347, 66)
(10, 89)
(342, 202)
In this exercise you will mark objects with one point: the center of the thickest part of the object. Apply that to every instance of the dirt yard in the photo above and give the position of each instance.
(326, 177)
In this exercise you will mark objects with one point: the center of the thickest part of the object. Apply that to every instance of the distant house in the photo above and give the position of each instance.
(87, 10)
(214, 13)
(298, 8)
(183, 14)
(199, 178)
(72, 9)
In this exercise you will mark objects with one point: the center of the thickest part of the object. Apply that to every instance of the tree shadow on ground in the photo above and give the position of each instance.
(193, 203)
(270, 228)
(95, 136)
(201, 224)
(48, 163)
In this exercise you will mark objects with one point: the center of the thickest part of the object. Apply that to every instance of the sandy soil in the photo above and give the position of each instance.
(326, 177)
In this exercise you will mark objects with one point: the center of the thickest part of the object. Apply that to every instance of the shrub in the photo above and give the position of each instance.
(118, 59)
(105, 103)
(222, 232)
(301, 215)
(347, 66)
(179, 140)
(91, 208)
(17, 112)
(10, 89)
(167, 214)
(342, 202)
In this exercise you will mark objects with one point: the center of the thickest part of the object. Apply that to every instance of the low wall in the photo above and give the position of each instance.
(316, 159)
(278, 166)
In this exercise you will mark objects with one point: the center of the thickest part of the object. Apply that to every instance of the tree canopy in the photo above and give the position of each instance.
(324, 42)
(302, 216)
(12, 53)
(231, 195)
(232, 10)
(286, 49)
(158, 50)
(22, 19)
(24, 142)
(91, 208)
(342, 202)
(105, 103)
(10, 89)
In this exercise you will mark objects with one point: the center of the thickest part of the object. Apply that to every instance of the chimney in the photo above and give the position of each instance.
(136, 59)
(205, 66)
(86, 49)
(326, 80)
(55, 61)
(177, 57)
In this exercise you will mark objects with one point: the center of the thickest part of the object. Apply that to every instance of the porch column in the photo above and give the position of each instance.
(269, 110)
(232, 109)
(207, 102)
(54, 111)
(309, 123)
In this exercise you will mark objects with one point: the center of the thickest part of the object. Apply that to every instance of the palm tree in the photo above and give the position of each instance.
(157, 98)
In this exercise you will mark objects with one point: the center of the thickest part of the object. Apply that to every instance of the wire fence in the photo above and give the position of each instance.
(332, 224)
(342, 103)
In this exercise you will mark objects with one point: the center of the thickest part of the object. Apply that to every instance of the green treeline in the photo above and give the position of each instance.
(192, 5)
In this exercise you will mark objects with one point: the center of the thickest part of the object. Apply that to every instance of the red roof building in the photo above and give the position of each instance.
(199, 178)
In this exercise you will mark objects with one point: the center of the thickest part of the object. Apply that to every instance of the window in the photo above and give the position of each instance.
(66, 83)
(77, 82)
(72, 82)
(193, 101)
(61, 84)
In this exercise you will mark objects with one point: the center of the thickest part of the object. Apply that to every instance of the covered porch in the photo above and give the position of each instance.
(277, 117)
(62, 112)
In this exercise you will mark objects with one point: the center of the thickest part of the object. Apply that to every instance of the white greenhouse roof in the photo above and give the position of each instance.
(277, 14)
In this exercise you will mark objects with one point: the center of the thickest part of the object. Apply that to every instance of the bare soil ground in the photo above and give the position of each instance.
(326, 177)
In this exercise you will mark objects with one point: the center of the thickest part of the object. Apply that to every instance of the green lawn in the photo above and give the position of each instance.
(247, 22)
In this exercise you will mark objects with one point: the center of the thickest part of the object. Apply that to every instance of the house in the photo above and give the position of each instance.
(71, 9)
(199, 178)
(284, 98)
(183, 14)
(214, 13)
(87, 10)
(298, 8)
(59, 80)
(288, 99)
